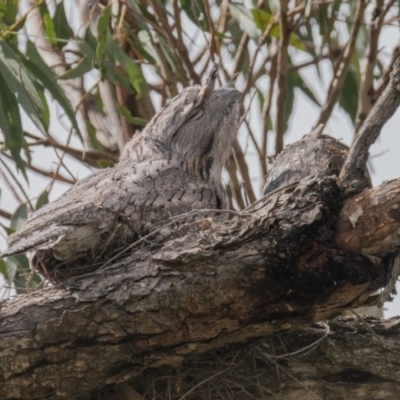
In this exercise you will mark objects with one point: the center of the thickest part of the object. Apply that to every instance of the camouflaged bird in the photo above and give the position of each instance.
(173, 166)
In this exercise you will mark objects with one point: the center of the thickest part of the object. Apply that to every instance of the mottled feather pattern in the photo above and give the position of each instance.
(172, 167)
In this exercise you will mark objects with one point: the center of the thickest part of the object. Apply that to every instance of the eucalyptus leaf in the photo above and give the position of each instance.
(19, 217)
(42, 200)
(84, 65)
(45, 75)
(20, 83)
(11, 125)
(246, 19)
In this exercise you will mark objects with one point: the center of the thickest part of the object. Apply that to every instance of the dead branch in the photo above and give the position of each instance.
(382, 111)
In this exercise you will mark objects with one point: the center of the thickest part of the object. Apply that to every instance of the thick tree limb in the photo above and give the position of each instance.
(271, 271)
(381, 204)
(341, 359)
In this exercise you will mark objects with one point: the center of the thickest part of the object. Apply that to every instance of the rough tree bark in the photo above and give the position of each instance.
(296, 256)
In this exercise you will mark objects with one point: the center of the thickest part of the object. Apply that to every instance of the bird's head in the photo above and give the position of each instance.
(200, 126)
(197, 128)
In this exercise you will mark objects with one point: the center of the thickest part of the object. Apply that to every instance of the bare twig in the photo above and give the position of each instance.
(42, 172)
(303, 349)
(11, 187)
(266, 111)
(90, 157)
(385, 78)
(231, 168)
(244, 171)
(343, 65)
(366, 96)
(178, 46)
(5, 214)
(368, 327)
(382, 111)
(282, 62)
(17, 182)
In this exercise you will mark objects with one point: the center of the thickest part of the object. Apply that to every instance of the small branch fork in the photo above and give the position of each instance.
(354, 166)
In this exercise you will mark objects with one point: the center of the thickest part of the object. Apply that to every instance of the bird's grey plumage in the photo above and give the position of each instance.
(172, 167)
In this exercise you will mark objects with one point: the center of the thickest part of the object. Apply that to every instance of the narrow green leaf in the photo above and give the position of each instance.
(348, 98)
(61, 26)
(10, 12)
(245, 18)
(102, 33)
(261, 18)
(45, 75)
(45, 109)
(133, 71)
(129, 117)
(103, 21)
(10, 124)
(3, 269)
(48, 24)
(19, 82)
(11, 268)
(196, 12)
(19, 217)
(115, 75)
(42, 200)
(84, 65)
(92, 136)
(88, 46)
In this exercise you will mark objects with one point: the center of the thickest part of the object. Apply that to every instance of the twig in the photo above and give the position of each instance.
(90, 157)
(5, 214)
(239, 57)
(385, 78)
(42, 172)
(286, 370)
(60, 163)
(213, 47)
(303, 349)
(282, 62)
(288, 186)
(343, 65)
(179, 47)
(369, 329)
(315, 60)
(172, 222)
(382, 111)
(366, 94)
(231, 168)
(266, 111)
(27, 200)
(244, 171)
(11, 187)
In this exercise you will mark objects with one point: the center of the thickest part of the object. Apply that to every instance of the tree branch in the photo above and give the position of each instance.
(343, 64)
(254, 275)
(354, 167)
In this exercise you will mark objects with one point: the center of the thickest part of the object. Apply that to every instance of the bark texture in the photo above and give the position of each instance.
(272, 269)
(340, 359)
